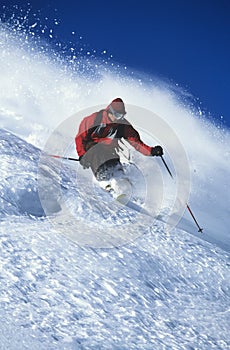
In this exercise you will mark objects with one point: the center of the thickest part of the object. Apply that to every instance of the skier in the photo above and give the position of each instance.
(97, 141)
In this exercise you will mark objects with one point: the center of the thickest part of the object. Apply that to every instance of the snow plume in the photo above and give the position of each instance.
(157, 288)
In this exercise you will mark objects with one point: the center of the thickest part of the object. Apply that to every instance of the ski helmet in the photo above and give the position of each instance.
(117, 108)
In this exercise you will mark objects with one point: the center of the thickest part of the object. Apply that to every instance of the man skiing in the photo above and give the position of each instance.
(97, 140)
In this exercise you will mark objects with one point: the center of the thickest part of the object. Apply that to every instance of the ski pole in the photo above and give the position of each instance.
(66, 158)
(190, 211)
(166, 166)
(187, 206)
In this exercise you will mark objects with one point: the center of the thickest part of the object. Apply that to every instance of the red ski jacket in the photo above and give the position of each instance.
(108, 133)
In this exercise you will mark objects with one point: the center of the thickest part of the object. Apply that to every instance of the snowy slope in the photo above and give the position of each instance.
(149, 288)
(159, 290)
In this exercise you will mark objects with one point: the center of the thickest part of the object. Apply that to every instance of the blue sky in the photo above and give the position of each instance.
(186, 42)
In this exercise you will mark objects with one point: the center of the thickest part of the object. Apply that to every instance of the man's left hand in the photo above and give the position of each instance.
(157, 151)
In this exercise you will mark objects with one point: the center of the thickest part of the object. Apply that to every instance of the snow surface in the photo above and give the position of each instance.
(98, 275)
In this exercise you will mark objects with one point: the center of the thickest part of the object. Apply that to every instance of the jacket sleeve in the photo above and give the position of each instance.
(81, 138)
(86, 137)
(133, 137)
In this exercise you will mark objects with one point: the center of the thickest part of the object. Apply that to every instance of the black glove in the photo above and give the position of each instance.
(157, 151)
(84, 161)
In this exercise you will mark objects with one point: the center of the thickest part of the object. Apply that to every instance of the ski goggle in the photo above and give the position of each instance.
(117, 115)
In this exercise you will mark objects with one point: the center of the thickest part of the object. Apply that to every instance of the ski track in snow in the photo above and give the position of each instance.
(159, 290)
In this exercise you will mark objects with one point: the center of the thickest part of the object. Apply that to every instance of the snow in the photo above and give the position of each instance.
(80, 271)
